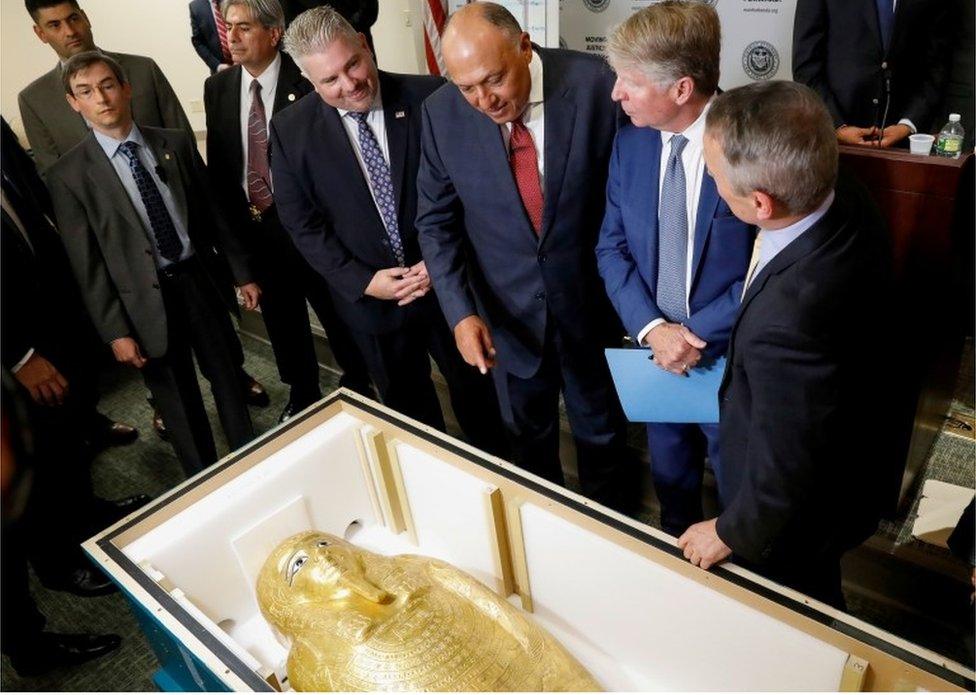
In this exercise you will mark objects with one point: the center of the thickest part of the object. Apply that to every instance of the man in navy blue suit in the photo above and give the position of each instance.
(512, 172)
(344, 164)
(671, 253)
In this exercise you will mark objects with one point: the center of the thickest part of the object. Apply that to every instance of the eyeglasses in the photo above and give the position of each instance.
(87, 93)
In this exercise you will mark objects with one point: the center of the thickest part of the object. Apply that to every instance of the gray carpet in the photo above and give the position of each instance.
(150, 466)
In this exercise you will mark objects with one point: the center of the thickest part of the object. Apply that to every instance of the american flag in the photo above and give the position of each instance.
(435, 15)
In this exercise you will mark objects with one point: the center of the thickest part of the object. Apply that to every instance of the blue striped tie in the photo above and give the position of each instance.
(672, 238)
(167, 240)
(381, 182)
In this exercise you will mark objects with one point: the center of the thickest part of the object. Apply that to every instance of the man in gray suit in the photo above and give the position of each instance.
(52, 126)
(141, 232)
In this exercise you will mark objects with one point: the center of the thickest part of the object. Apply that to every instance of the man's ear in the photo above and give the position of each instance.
(765, 205)
(684, 89)
(73, 103)
(39, 33)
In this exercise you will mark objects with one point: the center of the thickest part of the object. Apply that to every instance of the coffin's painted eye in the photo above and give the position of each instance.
(295, 565)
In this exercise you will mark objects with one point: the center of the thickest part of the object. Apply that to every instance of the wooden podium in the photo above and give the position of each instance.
(928, 205)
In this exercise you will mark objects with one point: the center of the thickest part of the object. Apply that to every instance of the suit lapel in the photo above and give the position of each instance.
(396, 116)
(651, 196)
(230, 110)
(497, 168)
(338, 151)
(707, 204)
(101, 174)
(290, 85)
(560, 118)
(870, 10)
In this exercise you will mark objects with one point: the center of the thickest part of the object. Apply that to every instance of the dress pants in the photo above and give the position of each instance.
(197, 324)
(817, 575)
(677, 466)
(399, 363)
(530, 407)
(286, 280)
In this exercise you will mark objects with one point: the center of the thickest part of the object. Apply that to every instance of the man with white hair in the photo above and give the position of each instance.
(671, 254)
(801, 481)
(344, 164)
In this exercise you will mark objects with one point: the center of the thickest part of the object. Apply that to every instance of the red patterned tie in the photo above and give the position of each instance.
(522, 158)
(258, 171)
(222, 32)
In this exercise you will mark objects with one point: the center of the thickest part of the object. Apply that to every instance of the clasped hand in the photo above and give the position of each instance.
(676, 349)
(402, 284)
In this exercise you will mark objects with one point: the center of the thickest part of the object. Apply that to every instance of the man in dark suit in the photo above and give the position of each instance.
(880, 66)
(344, 162)
(800, 480)
(511, 197)
(42, 319)
(240, 102)
(208, 37)
(672, 255)
(141, 230)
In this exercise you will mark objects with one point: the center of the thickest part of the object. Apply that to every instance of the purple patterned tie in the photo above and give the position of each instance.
(258, 172)
(381, 183)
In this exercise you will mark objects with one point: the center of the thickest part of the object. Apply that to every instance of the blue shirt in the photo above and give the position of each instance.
(118, 160)
(772, 241)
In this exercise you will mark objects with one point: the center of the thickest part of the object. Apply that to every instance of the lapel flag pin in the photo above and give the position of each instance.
(400, 114)
(291, 97)
(166, 156)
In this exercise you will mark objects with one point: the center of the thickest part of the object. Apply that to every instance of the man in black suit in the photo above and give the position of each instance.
(512, 188)
(42, 321)
(205, 34)
(880, 66)
(141, 229)
(240, 102)
(807, 355)
(345, 161)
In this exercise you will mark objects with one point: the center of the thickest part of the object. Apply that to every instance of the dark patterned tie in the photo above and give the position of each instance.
(886, 21)
(167, 240)
(672, 237)
(258, 171)
(523, 159)
(380, 182)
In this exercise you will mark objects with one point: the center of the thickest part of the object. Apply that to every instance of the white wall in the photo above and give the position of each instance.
(161, 29)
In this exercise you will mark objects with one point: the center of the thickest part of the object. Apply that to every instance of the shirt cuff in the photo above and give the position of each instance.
(908, 122)
(647, 329)
(23, 361)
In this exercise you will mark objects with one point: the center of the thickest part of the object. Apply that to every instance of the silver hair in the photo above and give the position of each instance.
(266, 12)
(778, 138)
(314, 30)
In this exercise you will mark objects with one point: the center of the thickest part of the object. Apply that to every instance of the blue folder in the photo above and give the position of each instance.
(650, 394)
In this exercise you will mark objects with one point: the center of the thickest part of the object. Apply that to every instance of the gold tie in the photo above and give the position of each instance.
(753, 262)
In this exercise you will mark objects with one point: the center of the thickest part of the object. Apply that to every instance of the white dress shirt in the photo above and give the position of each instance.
(377, 123)
(693, 161)
(533, 117)
(269, 87)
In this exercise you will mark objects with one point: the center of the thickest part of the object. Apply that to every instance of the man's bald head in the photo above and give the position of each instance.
(487, 56)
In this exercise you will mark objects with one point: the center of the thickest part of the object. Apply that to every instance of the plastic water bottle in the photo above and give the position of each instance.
(949, 143)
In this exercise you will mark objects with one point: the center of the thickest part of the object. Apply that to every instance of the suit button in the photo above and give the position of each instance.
(540, 295)
(884, 65)
(874, 101)
(543, 258)
(155, 285)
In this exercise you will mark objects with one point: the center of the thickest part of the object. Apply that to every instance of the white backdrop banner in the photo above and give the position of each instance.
(757, 35)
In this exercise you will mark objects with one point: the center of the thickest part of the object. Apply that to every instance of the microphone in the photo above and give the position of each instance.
(161, 173)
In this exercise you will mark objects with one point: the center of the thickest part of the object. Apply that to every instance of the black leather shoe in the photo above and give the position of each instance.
(108, 433)
(125, 506)
(52, 650)
(294, 407)
(254, 393)
(84, 581)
